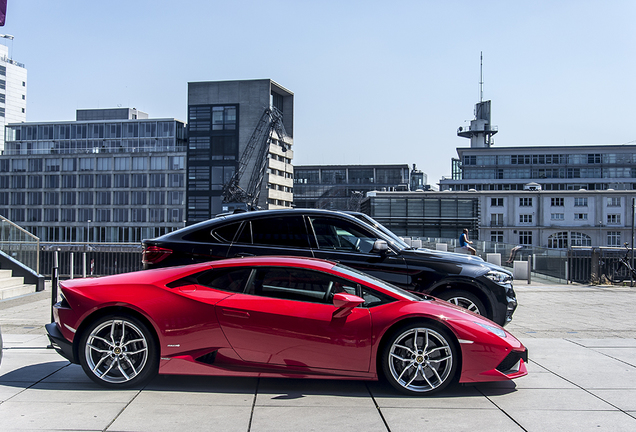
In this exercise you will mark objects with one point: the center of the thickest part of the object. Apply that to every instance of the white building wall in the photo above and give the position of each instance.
(15, 92)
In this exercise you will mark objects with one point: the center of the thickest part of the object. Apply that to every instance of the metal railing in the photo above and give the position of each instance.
(19, 244)
(548, 263)
(91, 259)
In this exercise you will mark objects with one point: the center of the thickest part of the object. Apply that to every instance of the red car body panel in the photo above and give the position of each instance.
(269, 337)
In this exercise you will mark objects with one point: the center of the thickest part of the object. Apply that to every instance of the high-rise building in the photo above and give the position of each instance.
(223, 116)
(13, 90)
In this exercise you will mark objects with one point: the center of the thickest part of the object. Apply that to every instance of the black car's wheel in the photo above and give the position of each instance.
(118, 351)
(420, 358)
(466, 300)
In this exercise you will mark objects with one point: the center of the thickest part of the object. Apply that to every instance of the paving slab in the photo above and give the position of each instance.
(320, 418)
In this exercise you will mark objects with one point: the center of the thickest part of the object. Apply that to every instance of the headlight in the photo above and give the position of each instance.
(499, 277)
(492, 329)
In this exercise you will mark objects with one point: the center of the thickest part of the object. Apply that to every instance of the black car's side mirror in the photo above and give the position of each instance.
(380, 246)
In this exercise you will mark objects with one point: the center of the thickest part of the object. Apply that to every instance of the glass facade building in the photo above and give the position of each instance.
(114, 180)
(342, 187)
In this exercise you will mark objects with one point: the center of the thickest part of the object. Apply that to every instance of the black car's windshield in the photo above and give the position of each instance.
(398, 242)
(348, 271)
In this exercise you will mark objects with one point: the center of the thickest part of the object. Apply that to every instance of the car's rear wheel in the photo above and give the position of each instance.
(420, 358)
(464, 299)
(118, 351)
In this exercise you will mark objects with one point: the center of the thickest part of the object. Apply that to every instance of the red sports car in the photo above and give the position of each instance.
(275, 317)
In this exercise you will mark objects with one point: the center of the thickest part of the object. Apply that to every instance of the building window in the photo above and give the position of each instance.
(84, 215)
(580, 202)
(102, 215)
(496, 202)
(122, 164)
(102, 181)
(614, 201)
(159, 180)
(51, 215)
(87, 164)
(68, 198)
(496, 236)
(525, 218)
(525, 202)
(525, 237)
(85, 198)
(120, 198)
(52, 181)
(157, 198)
(557, 216)
(69, 181)
(580, 216)
(157, 215)
(613, 219)
(120, 215)
(85, 181)
(138, 180)
(496, 219)
(121, 180)
(68, 215)
(104, 164)
(613, 238)
(138, 198)
(556, 202)
(102, 198)
(139, 163)
(580, 239)
(138, 215)
(558, 240)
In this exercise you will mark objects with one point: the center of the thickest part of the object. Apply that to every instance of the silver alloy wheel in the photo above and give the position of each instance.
(420, 360)
(116, 351)
(465, 303)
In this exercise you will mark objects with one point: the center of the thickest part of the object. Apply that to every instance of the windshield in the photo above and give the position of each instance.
(398, 242)
(368, 279)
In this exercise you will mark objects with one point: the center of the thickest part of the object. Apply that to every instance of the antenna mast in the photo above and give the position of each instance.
(481, 77)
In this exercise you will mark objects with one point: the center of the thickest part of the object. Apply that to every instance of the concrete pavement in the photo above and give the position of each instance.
(581, 340)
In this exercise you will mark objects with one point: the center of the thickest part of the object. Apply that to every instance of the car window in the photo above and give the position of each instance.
(288, 231)
(297, 284)
(225, 279)
(226, 233)
(342, 235)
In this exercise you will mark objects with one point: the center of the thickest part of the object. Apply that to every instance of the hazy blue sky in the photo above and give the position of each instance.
(374, 81)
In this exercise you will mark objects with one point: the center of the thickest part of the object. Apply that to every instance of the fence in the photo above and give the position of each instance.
(79, 259)
(19, 244)
(549, 263)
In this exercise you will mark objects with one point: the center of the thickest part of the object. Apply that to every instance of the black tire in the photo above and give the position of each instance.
(420, 358)
(465, 299)
(118, 351)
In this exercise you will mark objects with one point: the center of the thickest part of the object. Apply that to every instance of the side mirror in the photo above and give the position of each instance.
(380, 246)
(345, 303)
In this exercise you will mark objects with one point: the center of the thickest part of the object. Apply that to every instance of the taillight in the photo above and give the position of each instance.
(154, 254)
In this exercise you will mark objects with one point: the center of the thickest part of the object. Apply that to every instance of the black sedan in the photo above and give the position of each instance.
(357, 242)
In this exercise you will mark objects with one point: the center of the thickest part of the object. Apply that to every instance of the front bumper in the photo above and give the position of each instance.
(59, 343)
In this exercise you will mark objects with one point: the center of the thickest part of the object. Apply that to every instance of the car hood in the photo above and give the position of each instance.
(429, 255)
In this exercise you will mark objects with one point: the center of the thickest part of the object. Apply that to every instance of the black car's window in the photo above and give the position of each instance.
(226, 233)
(245, 235)
(288, 231)
(225, 279)
(336, 234)
(298, 284)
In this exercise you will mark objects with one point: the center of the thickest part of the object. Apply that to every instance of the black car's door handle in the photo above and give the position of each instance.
(243, 254)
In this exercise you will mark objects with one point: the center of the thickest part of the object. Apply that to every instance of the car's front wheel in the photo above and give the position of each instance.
(466, 300)
(118, 351)
(420, 358)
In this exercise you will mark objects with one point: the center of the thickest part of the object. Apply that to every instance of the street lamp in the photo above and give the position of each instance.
(88, 232)
(10, 37)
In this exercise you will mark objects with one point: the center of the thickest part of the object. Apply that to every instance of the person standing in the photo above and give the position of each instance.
(465, 243)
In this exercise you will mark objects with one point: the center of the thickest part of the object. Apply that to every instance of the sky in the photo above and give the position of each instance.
(373, 81)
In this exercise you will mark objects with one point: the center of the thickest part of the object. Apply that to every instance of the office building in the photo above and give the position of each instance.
(223, 116)
(342, 187)
(112, 175)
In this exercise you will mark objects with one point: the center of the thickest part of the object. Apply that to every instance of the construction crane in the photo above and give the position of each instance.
(234, 196)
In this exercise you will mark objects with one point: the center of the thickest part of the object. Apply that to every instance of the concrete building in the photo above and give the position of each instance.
(13, 91)
(222, 117)
(550, 219)
(342, 187)
(112, 175)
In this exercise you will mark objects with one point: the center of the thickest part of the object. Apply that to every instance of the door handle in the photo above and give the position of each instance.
(243, 255)
(235, 313)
